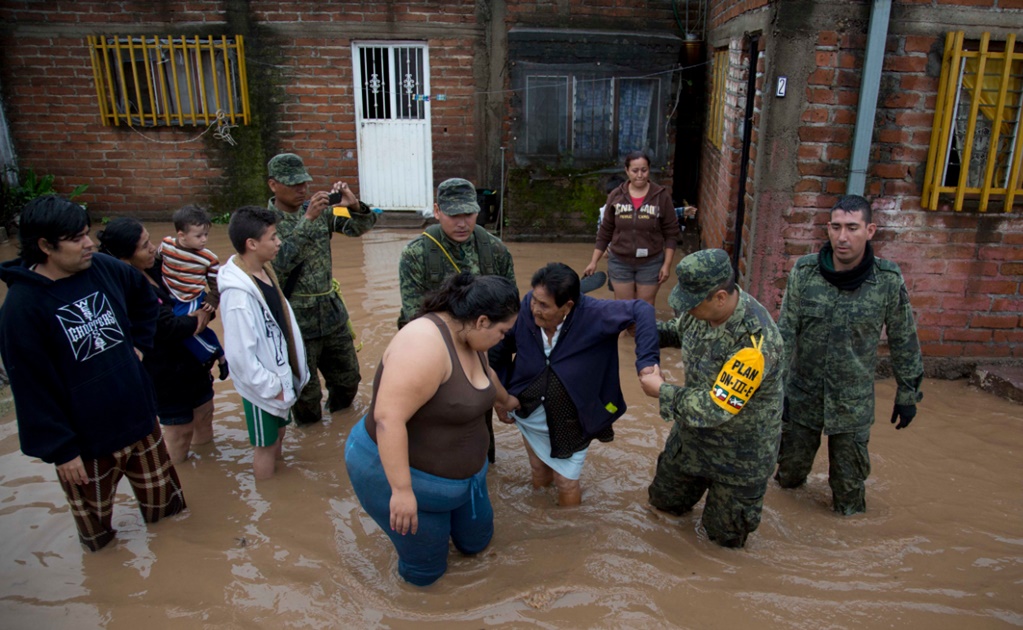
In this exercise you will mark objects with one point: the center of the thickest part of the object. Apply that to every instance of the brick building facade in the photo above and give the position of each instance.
(963, 268)
(305, 49)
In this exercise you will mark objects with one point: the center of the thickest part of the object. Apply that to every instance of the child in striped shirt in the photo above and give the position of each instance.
(188, 269)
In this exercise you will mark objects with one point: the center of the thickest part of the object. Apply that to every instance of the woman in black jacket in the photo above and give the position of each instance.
(184, 386)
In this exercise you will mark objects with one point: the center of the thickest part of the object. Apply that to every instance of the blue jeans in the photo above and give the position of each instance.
(204, 346)
(455, 509)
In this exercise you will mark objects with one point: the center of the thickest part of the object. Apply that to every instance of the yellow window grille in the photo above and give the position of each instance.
(170, 81)
(975, 152)
(716, 124)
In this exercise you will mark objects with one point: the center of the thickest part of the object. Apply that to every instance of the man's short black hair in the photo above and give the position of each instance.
(249, 222)
(560, 280)
(855, 203)
(52, 218)
(190, 216)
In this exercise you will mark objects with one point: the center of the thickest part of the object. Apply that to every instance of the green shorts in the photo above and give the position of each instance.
(263, 425)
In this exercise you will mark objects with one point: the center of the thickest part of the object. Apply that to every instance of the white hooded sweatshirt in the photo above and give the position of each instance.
(256, 346)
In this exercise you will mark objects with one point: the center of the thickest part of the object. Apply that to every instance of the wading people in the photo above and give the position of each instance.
(265, 351)
(305, 225)
(71, 328)
(727, 416)
(640, 229)
(418, 459)
(454, 245)
(183, 385)
(565, 373)
(836, 304)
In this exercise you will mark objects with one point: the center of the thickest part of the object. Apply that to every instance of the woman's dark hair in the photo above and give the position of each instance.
(120, 237)
(52, 218)
(466, 296)
(635, 155)
(560, 280)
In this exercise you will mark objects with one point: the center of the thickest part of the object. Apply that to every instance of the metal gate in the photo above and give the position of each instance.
(392, 119)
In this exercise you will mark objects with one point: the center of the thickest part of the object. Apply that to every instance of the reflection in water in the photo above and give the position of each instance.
(941, 545)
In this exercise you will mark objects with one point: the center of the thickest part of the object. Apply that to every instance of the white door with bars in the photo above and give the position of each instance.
(392, 120)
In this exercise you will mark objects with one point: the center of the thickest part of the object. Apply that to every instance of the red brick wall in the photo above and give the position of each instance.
(50, 97)
(964, 270)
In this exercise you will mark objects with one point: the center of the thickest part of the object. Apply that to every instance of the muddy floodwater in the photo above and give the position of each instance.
(941, 544)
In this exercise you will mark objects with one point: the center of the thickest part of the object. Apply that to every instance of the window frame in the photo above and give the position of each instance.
(957, 55)
(573, 126)
(718, 90)
(181, 80)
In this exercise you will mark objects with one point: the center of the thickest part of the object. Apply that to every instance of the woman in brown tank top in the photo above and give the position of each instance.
(418, 459)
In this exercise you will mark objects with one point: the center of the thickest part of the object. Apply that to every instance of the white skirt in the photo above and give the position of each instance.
(534, 429)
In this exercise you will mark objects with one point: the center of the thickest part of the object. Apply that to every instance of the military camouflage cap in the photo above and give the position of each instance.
(457, 196)
(699, 273)
(288, 169)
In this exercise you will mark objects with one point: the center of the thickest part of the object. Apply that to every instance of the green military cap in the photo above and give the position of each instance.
(457, 196)
(699, 273)
(288, 169)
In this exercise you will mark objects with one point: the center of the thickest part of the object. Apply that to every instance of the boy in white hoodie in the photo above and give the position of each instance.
(262, 344)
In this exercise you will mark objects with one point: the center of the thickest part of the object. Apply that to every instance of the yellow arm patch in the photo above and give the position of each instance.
(739, 378)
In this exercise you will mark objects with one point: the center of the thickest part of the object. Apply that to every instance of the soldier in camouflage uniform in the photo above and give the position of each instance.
(454, 245)
(424, 264)
(831, 319)
(303, 266)
(727, 416)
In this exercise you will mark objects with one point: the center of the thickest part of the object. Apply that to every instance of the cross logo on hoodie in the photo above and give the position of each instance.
(90, 325)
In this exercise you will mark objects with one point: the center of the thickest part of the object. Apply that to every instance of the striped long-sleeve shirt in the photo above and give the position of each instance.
(188, 272)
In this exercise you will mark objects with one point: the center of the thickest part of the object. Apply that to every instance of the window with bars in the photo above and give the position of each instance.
(593, 117)
(716, 113)
(975, 155)
(170, 80)
(392, 82)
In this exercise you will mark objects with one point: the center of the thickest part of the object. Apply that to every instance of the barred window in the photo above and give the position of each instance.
(591, 116)
(719, 77)
(169, 80)
(975, 154)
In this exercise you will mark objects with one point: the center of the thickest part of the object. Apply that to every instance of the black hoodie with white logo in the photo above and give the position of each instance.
(69, 349)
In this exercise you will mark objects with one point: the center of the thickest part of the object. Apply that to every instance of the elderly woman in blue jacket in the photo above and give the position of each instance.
(561, 361)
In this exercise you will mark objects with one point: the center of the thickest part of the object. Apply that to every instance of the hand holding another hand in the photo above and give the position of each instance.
(650, 380)
(504, 412)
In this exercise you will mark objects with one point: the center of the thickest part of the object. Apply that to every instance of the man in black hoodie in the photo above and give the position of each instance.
(71, 328)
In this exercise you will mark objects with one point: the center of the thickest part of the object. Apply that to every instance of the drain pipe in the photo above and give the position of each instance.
(869, 89)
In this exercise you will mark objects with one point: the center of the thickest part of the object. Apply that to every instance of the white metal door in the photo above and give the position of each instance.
(392, 119)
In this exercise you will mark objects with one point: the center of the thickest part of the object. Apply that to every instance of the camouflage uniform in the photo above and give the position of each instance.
(709, 449)
(321, 315)
(414, 277)
(831, 339)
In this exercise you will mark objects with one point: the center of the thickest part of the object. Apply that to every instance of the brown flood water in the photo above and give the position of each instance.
(941, 545)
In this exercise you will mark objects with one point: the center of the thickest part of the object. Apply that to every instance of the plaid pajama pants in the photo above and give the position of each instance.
(153, 479)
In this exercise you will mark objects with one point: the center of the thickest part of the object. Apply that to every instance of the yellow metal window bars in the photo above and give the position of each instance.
(170, 81)
(975, 153)
(719, 79)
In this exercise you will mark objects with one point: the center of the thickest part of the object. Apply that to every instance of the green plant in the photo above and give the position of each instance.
(221, 219)
(29, 187)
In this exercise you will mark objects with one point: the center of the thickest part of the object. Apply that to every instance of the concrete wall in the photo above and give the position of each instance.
(963, 269)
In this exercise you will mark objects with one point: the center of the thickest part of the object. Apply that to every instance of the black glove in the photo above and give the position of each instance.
(904, 414)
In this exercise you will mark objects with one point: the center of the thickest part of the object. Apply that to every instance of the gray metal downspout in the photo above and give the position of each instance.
(869, 88)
